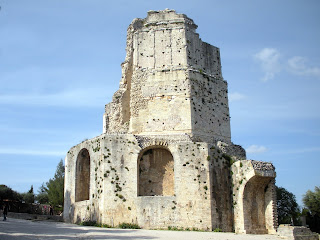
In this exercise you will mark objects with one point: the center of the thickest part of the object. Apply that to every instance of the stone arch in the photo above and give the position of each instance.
(155, 172)
(82, 186)
(256, 200)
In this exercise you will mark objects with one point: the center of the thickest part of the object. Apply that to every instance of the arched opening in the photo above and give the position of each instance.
(83, 175)
(155, 172)
(255, 202)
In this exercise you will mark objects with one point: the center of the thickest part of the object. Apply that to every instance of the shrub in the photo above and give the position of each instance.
(129, 226)
(88, 223)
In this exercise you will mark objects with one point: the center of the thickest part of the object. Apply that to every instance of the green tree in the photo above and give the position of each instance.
(53, 191)
(42, 196)
(288, 209)
(28, 197)
(56, 186)
(311, 200)
(7, 193)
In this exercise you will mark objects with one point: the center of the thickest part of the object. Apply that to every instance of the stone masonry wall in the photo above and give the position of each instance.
(114, 184)
(165, 157)
(254, 197)
(171, 82)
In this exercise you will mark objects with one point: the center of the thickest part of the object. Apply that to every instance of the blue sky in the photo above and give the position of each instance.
(60, 64)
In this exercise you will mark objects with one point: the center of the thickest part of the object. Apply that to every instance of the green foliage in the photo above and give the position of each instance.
(42, 196)
(31, 189)
(288, 209)
(53, 191)
(105, 226)
(55, 186)
(129, 225)
(8, 193)
(95, 224)
(121, 225)
(89, 223)
(311, 200)
(28, 197)
(174, 228)
(228, 159)
(217, 230)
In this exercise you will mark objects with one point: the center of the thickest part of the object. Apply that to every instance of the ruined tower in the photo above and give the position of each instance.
(171, 82)
(165, 157)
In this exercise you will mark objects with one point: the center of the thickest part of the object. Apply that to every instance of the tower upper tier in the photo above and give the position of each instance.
(171, 82)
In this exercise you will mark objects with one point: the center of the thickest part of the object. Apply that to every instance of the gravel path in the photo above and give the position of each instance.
(26, 230)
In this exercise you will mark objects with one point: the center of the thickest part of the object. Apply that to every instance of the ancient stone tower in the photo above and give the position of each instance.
(165, 157)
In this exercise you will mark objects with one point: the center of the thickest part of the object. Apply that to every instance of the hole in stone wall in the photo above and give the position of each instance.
(156, 172)
(82, 175)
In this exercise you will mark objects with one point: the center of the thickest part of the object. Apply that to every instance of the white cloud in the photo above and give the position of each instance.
(269, 61)
(298, 65)
(256, 149)
(236, 96)
(271, 64)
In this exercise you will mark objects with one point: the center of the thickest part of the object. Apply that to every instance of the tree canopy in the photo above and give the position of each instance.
(288, 209)
(311, 200)
(55, 186)
(7, 193)
(28, 197)
(53, 191)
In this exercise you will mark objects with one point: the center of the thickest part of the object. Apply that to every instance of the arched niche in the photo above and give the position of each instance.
(155, 172)
(82, 185)
(256, 199)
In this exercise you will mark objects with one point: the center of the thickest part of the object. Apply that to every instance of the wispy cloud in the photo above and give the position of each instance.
(32, 152)
(236, 96)
(269, 61)
(298, 65)
(93, 97)
(272, 62)
(299, 150)
(256, 149)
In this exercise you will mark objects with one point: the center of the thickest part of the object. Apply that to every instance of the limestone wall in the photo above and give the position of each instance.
(209, 107)
(114, 181)
(171, 82)
(165, 157)
(159, 103)
(254, 197)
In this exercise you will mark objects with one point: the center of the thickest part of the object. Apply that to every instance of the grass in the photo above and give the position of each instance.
(121, 225)
(174, 228)
(136, 226)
